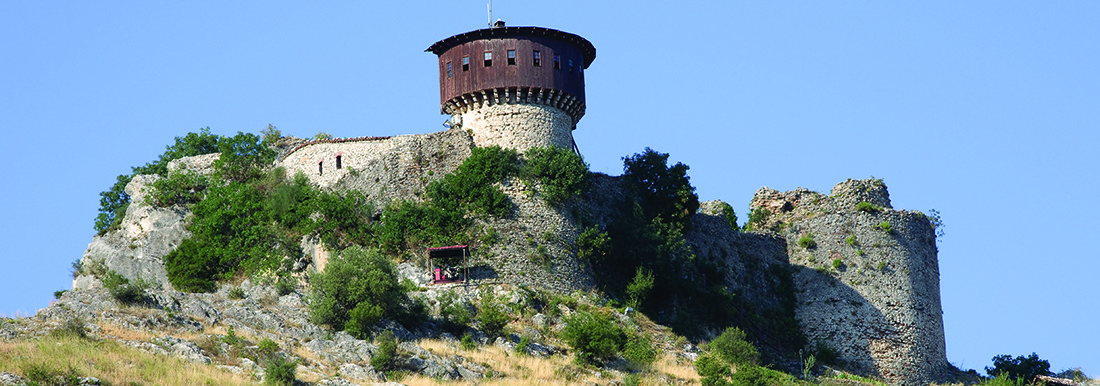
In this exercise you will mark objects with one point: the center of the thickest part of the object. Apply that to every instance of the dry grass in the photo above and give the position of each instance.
(510, 368)
(109, 361)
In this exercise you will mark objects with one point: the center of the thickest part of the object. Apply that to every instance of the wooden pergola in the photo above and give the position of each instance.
(448, 269)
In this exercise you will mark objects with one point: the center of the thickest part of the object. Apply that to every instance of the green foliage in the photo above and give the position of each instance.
(936, 221)
(881, 265)
(732, 348)
(885, 227)
(57, 294)
(113, 202)
(592, 245)
(1021, 367)
(524, 341)
(730, 215)
(242, 157)
(808, 366)
(1003, 380)
(284, 286)
(386, 355)
(270, 134)
(561, 173)
(491, 315)
(837, 263)
(639, 350)
(231, 338)
(357, 289)
(666, 190)
(236, 293)
(454, 311)
(122, 289)
(826, 354)
(757, 217)
(864, 206)
(594, 337)
(42, 374)
(280, 371)
(267, 347)
(712, 371)
(807, 241)
(639, 288)
(71, 328)
(851, 240)
(321, 136)
(467, 342)
(182, 187)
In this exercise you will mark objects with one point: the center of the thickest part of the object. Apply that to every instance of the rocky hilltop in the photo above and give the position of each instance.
(860, 278)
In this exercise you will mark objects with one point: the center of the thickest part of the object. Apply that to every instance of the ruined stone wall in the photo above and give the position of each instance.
(519, 126)
(871, 294)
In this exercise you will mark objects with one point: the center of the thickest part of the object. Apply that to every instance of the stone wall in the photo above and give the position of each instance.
(518, 126)
(871, 294)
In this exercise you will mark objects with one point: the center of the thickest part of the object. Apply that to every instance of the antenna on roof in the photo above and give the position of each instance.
(490, 13)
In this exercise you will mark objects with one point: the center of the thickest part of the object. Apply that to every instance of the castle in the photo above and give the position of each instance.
(870, 293)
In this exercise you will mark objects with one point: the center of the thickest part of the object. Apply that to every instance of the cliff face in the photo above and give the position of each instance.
(869, 280)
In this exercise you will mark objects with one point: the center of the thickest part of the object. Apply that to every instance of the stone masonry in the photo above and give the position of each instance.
(867, 289)
(518, 126)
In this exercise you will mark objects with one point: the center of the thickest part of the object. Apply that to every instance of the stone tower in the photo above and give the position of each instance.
(516, 87)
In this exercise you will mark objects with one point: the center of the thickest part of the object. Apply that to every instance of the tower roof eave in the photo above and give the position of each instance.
(586, 47)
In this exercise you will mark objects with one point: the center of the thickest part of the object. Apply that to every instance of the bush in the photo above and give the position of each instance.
(731, 217)
(356, 290)
(807, 241)
(732, 347)
(493, 319)
(592, 245)
(639, 288)
(267, 347)
(467, 343)
(270, 134)
(183, 187)
(837, 263)
(666, 190)
(757, 217)
(594, 337)
(561, 173)
(1019, 368)
(72, 328)
(639, 351)
(280, 371)
(122, 290)
(237, 293)
(386, 356)
(454, 311)
(851, 240)
(284, 286)
(864, 206)
(885, 227)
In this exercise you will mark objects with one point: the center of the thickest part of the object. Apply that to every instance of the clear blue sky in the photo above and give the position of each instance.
(985, 110)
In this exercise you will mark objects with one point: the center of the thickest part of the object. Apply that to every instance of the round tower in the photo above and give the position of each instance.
(517, 87)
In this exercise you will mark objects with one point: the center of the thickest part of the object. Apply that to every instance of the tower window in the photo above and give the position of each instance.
(557, 62)
(448, 69)
(570, 65)
(488, 59)
(321, 168)
(465, 63)
(538, 59)
(511, 57)
(338, 163)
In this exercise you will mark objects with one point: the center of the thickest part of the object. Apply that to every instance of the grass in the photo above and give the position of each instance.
(109, 361)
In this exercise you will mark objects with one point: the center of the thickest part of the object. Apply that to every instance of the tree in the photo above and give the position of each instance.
(357, 289)
(595, 337)
(666, 190)
(1025, 368)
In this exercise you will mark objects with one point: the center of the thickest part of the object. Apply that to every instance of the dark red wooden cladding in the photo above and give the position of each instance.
(524, 74)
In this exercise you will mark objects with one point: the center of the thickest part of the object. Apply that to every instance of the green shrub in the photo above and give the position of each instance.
(881, 265)
(730, 215)
(524, 341)
(42, 374)
(837, 263)
(639, 288)
(732, 347)
(57, 294)
(807, 241)
(1019, 368)
(284, 286)
(267, 347)
(357, 289)
(712, 370)
(592, 245)
(561, 173)
(467, 342)
(320, 136)
(386, 355)
(666, 190)
(182, 187)
(594, 337)
(122, 289)
(280, 372)
(885, 227)
(270, 134)
(71, 328)
(454, 311)
(492, 317)
(851, 240)
(639, 351)
(757, 217)
(864, 206)
(237, 293)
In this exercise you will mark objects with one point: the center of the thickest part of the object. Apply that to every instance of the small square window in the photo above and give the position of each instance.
(488, 59)
(465, 63)
(448, 69)
(511, 57)
(557, 62)
(537, 59)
